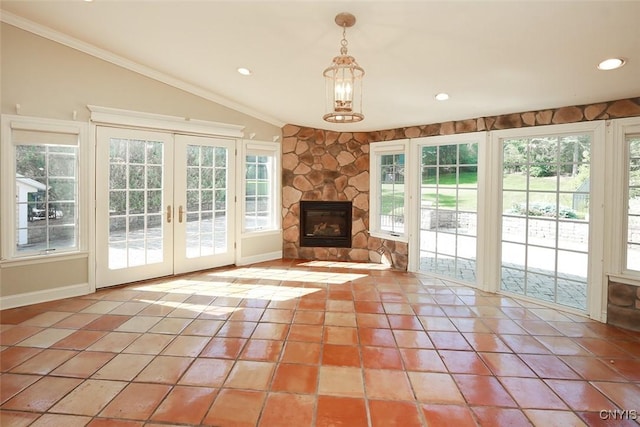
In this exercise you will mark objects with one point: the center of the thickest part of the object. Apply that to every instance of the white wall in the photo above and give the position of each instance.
(50, 80)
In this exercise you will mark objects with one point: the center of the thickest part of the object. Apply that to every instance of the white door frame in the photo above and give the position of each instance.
(596, 296)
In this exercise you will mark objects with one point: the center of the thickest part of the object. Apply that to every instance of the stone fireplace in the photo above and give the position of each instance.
(325, 224)
(326, 166)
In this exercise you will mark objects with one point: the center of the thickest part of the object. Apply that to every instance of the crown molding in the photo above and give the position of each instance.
(89, 49)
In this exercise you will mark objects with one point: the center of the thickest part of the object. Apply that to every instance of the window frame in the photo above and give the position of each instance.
(260, 148)
(9, 123)
(617, 200)
(376, 150)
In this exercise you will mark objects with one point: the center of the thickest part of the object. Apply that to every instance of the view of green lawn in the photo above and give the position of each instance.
(446, 196)
(542, 190)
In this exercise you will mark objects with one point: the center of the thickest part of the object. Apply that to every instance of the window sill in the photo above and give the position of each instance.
(625, 279)
(42, 259)
(259, 233)
(388, 236)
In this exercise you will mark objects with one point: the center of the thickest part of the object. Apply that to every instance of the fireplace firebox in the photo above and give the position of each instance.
(326, 224)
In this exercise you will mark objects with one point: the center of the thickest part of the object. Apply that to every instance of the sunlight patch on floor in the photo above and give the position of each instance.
(289, 275)
(212, 310)
(350, 265)
(226, 290)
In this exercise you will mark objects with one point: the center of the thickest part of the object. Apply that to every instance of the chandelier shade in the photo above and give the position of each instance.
(343, 81)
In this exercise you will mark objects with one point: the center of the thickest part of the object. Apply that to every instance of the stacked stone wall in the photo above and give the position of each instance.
(623, 305)
(581, 113)
(326, 165)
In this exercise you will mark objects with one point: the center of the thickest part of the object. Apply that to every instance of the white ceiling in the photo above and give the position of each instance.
(492, 57)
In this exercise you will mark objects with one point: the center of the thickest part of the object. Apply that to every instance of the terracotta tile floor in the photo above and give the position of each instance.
(296, 343)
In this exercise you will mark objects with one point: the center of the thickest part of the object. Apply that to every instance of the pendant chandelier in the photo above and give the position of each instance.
(343, 81)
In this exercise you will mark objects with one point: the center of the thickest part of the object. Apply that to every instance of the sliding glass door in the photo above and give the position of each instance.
(449, 210)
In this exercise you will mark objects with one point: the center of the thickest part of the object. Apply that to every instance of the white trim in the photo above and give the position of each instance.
(112, 58)
(615, 217)
(492, 246)
(259, 258)
(120, 117)
(91, 206)
(42, 259)
(598, 285)
(44, 125)
(7, 174)
(28, 298)
(413, 210)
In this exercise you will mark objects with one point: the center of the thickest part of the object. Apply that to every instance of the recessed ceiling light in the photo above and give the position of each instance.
(611, 64)
(244, 71)
(442, 96)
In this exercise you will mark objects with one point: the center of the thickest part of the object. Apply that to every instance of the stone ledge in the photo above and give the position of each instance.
(627, 318)
(623, 307)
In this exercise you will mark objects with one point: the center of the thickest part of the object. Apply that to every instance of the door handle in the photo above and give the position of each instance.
(169, 213)
(180, 212)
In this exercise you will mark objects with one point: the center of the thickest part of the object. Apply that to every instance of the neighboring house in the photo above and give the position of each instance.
(24, 187)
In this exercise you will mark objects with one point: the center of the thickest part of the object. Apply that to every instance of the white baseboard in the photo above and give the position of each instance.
(259, 258)
(27, 298)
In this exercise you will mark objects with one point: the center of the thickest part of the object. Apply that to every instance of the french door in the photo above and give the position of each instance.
(164, 204)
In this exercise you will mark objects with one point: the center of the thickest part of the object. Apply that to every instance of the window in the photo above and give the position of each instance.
(388, 194)
(260, 184)
(42, 158)
(622, 201)
(632, 142)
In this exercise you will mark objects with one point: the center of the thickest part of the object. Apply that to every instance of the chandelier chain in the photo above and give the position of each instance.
(343, 42)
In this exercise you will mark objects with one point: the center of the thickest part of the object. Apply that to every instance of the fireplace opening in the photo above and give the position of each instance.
(326, 224)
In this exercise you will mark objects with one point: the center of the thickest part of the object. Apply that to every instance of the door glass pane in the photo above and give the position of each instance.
(545, 211)
(448, 210)
(135, 203)
(206, 209)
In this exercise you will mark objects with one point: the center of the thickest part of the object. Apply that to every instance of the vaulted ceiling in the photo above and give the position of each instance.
(491, 57)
